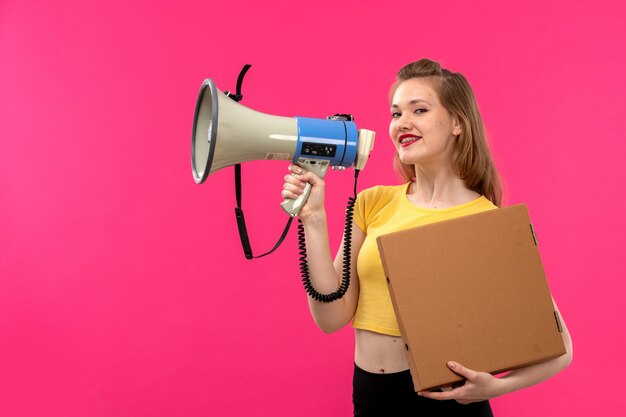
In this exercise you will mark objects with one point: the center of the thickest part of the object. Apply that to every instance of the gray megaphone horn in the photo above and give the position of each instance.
(226, 133)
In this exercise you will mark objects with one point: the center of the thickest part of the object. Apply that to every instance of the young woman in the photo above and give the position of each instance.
(443, 156)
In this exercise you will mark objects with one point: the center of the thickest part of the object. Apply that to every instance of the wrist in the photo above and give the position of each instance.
(503, 386)
(314, 219)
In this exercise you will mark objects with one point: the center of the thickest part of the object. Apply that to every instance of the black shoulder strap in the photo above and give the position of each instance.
(241, 221)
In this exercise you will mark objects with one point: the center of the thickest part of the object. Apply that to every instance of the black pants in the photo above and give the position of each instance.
(393, 395)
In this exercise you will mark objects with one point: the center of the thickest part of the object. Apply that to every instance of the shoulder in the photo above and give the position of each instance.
(480, 204)
(373, 200)
(381, 193)
(485, 203)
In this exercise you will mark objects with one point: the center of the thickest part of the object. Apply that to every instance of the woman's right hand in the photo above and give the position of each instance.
(294, 187)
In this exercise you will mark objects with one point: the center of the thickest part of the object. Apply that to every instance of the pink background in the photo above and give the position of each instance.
(123, 288)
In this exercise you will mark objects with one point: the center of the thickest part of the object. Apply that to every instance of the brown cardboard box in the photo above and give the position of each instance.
(472, 290)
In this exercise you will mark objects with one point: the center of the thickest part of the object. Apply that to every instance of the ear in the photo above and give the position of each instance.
(456, 127)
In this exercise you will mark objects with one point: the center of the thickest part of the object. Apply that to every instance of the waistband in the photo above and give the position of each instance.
(381, 375)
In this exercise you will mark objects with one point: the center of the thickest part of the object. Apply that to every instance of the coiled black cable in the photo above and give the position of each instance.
(347, 256)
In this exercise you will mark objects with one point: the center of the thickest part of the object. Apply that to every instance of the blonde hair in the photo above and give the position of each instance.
(472, 159)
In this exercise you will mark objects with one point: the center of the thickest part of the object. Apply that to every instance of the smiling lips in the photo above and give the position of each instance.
(407, 139)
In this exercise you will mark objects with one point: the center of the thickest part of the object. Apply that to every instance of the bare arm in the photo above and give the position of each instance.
(325, 274)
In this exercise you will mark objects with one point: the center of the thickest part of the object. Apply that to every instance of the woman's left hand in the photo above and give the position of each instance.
(479, 386)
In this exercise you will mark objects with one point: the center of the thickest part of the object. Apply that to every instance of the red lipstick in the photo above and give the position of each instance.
(411, 139)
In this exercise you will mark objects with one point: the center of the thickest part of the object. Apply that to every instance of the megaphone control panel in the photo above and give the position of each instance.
(314, 149)
(334, 140)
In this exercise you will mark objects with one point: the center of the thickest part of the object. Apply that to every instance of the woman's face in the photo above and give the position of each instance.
(421, 129)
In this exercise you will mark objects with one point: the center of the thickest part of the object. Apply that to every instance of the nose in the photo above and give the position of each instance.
(403, 122)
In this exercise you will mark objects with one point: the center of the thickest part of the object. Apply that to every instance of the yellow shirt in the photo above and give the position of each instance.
(378, 211)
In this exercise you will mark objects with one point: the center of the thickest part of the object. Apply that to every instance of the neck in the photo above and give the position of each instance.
(439, 186)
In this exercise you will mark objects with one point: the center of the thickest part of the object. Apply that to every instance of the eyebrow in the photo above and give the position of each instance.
(414, 101)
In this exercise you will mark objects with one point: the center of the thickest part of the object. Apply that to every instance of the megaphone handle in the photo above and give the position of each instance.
(319, 168)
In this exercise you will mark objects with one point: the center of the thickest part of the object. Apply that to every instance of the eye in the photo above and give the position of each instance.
(420, 111)
(395, 115)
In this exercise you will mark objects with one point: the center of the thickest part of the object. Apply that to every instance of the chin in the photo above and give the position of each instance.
(408, 160)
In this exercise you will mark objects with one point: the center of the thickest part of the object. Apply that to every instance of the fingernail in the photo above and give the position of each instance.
(451, 364)
(420, 394)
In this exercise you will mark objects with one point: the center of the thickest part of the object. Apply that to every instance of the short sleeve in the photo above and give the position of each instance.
(361, 209)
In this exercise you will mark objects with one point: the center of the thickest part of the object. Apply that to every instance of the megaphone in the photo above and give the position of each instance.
(226, 133)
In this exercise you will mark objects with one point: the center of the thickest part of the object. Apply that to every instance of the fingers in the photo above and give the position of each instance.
(446, 395)
(297, 180)
(467, 373)
(293, 187)
(295, 169)
(479, 386)
(450, 393)
(306, 176)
